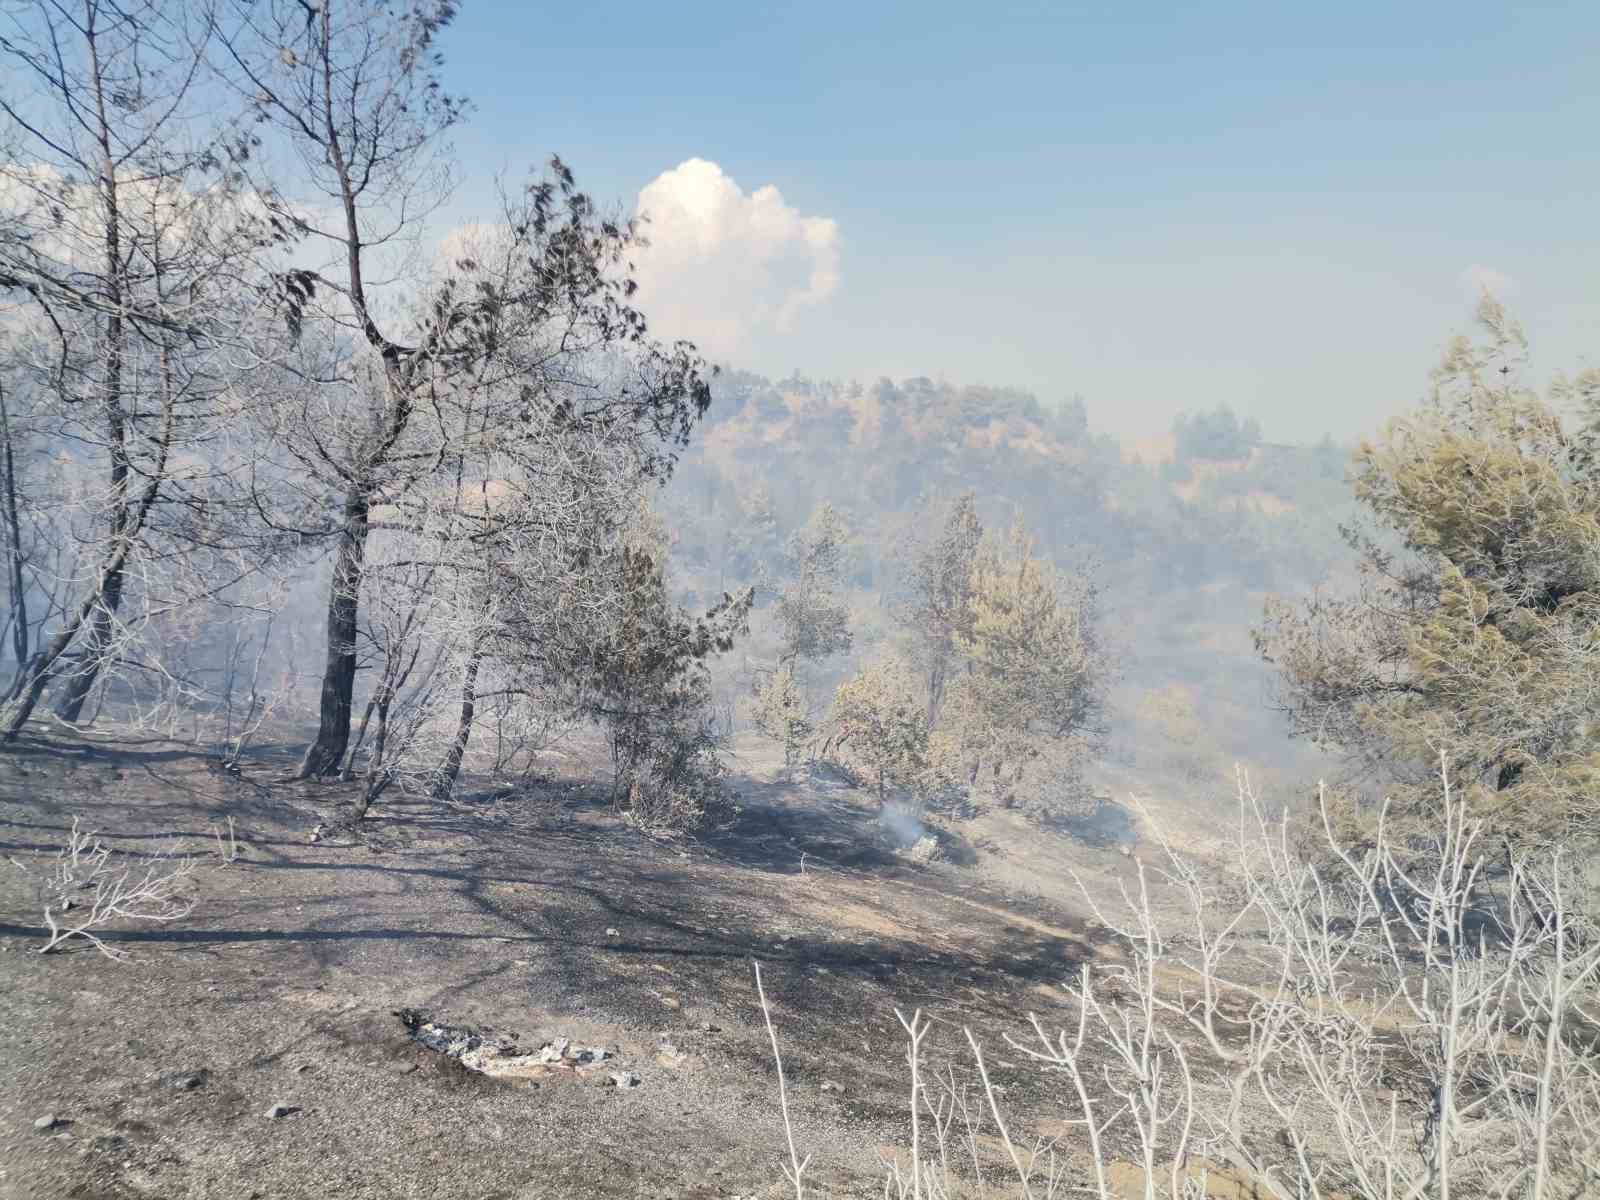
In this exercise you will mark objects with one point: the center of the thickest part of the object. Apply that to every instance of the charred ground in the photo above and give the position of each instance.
(537, 912)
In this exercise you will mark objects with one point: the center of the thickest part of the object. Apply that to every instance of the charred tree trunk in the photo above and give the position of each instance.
(378, 775)
(361, 736)
(81, 681)
(16, 584)
(445, 780)
(325, 754)
(96, 653)
(41, 669)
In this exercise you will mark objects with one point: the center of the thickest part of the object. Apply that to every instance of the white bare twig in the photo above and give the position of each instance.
(149, 890)
(794, 1169)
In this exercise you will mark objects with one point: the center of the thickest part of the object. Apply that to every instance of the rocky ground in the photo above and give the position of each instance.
(266, 1045)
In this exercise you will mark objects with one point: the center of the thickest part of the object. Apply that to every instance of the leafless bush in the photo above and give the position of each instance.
(86, 890)
(229, 848)
(1396, 1024)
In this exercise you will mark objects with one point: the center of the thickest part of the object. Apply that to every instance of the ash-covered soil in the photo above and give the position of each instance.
(537, 915)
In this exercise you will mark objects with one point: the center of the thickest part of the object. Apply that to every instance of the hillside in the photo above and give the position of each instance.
(1185, 533)
(536, 915)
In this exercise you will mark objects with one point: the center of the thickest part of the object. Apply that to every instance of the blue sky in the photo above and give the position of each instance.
(1280, 206)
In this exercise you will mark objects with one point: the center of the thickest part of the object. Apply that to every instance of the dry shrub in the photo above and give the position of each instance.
(88, 890)
(679, 784)
(1407, 1019)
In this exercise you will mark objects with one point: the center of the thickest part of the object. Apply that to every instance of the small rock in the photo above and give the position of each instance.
(302, 1068)
(624, 1079)
(708, 1027)
(46, 1123)
(188, 1083)
(404, 1068)
(672, 1002)
(829, 1085)
(278, 1111)
(612, 933)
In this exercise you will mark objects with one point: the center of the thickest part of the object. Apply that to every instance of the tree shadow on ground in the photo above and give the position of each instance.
(779, 826)
(610, 921)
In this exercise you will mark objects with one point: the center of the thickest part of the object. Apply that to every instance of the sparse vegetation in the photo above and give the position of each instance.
(1373, 1028)
(422, 557)
(87, 890)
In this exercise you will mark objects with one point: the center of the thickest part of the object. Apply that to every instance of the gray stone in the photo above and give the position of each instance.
(278, 1111)
(829, 1085)
(46, 1123)
(624, 1079)
(189, 1082)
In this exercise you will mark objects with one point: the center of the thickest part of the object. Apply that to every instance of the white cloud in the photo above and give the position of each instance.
(724, 267)
(480, 240)
(1478, 279)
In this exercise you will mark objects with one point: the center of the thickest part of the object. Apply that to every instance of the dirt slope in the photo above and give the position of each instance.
(539, 914)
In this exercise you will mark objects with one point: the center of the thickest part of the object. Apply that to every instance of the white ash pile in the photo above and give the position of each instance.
(503, 1056)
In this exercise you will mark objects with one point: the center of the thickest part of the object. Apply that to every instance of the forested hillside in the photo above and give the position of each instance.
(522, 758)
(1184, 534)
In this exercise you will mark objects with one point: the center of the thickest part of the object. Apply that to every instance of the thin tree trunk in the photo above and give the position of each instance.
(95, 653)
(325, 754)
(936, 677)
(380, 739)
(378, 777)
(109, 598)
(40, 670)
(361, 735)
(445, 780)
(16, 585)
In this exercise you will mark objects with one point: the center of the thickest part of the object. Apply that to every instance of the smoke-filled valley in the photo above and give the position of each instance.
(464, 735)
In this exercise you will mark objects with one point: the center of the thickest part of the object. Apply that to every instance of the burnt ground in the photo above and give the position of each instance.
(537, 913)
